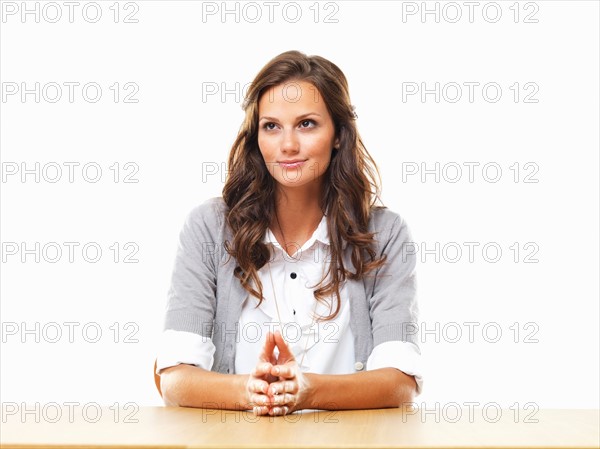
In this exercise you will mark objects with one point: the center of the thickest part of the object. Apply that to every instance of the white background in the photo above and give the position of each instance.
(172, 135)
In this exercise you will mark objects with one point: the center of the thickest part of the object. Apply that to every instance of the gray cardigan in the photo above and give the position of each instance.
(205, 298)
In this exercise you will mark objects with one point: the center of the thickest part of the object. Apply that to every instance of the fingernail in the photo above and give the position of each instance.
(276, 370)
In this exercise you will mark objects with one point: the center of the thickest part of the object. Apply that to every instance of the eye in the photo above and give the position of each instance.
(267, 126)
(306, 123)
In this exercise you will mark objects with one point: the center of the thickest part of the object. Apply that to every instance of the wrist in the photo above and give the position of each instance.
(241, 385)
(310, 383)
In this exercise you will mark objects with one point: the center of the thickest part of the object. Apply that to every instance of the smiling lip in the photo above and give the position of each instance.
(291, 164)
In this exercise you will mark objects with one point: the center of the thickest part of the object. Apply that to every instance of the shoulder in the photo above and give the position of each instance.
(388, 225)
(212, 208)
(382, 218)
(208, 216)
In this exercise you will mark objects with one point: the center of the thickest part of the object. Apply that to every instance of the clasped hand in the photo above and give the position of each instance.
(276, 386)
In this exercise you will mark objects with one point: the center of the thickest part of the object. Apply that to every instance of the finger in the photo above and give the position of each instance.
(259, 386)
(260, 410)
(258, 399)
(282, 387)
(262, 369)
(283, 371)
(266, 354)
(283, 399)
(285, 354)
(278, 411)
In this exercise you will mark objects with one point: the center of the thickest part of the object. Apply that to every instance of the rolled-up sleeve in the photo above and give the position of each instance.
(401, 355)
(177, 347)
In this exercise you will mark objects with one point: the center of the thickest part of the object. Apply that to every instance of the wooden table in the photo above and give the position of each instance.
(383, 428)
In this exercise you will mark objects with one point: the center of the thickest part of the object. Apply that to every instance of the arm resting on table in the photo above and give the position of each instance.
(190, 386)
(380, 388)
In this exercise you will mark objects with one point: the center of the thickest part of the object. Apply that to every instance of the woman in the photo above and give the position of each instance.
(294, 290)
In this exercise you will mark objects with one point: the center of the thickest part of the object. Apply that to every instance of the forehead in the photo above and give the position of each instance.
(292, 96)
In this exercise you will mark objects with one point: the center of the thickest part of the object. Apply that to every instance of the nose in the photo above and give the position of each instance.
(289, 143)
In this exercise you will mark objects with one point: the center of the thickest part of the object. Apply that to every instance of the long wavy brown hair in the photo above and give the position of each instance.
(351, 182)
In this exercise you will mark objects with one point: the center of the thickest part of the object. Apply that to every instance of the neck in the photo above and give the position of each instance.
(298, 200)
(298, 212)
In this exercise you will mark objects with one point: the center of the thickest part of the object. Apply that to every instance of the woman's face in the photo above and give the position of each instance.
(295, 133)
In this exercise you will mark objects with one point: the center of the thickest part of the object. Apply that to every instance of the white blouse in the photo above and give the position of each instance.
(325, 347)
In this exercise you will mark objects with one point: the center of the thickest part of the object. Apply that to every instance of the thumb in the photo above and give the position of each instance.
(285, 354)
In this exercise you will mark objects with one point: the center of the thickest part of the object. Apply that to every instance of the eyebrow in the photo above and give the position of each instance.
(297, 118)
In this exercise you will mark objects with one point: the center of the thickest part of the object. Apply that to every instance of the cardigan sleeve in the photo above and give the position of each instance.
(393, 304)
(191, 299)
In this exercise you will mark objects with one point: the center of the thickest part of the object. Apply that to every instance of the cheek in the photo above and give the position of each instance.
(321, 148)
(321, 153)
(263, 146)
